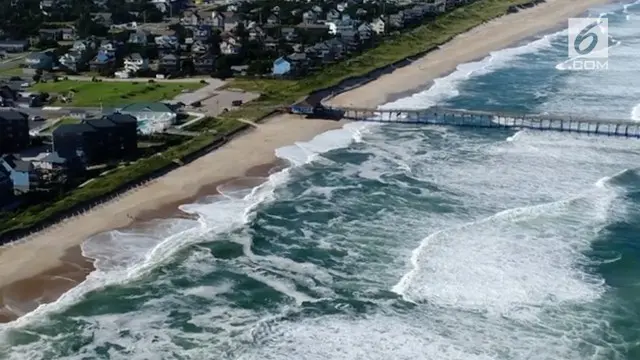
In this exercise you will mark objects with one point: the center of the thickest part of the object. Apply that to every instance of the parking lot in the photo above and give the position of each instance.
(213, 100)
(224, 99)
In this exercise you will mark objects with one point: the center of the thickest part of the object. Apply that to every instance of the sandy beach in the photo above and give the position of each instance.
(44, 265)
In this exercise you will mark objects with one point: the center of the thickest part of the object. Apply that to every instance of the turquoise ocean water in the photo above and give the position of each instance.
(394, 242)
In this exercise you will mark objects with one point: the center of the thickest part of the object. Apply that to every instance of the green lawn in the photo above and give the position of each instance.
(115, 93)
(13, 71)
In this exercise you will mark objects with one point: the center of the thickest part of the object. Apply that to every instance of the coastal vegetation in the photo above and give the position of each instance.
(114, 93)
(274, 94)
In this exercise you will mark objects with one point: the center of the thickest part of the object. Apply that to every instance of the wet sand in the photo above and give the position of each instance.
(23, 296)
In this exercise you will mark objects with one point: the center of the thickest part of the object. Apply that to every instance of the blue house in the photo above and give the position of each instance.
(22, 173)
(103, 61)
(281, 66)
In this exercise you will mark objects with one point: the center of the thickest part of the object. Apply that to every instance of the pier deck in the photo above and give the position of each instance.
(485, 119)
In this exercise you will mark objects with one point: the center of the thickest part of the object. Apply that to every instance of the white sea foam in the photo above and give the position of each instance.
(122, 255)
(447, 87)
(508, 263)
(435, 334)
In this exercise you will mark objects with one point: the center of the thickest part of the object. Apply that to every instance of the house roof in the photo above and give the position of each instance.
(72, 128)
(169, 57)
(53, 158)
(12, 115)
(49, 31)
(119, 118)
(17, 164)
(153, 107)
(297, 56)
(14, 42)
(103, 57)
(100, 123)
(135, 57)
(280, 60)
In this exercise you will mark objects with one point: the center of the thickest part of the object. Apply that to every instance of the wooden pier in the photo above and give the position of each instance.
(484, 119)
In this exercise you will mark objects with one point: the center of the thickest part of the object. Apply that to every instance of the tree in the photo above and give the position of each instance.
(223, 68)
(38, 75)
(181, 32)
(259, 67)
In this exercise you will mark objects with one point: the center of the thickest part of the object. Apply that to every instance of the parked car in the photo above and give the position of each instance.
(236, 102)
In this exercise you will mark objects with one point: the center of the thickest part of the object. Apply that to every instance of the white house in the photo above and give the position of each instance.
(339, 26)
(79, 46)
(48, 161)
(71, 60)
(217, 20)
(199, 47)
(378, 26)
(152, 117)
(230, 46)
(166, 42)
(135, 62)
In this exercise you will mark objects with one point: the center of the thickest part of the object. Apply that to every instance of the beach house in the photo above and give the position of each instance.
(22, 173)
(151, 117)
(76, 141)
(49, 161)
(14, 131)
(97, 140)
(281, 66)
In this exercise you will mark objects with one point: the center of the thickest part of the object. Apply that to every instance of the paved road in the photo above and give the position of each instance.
(49, 113)
(178, 80)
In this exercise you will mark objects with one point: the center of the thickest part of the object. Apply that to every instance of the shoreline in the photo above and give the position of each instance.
(23, 296)
(42, 251)
(28, 261)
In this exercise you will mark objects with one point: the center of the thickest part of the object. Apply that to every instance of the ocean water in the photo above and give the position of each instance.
(394, 242)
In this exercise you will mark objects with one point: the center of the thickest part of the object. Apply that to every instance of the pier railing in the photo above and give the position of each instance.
(485, 119)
